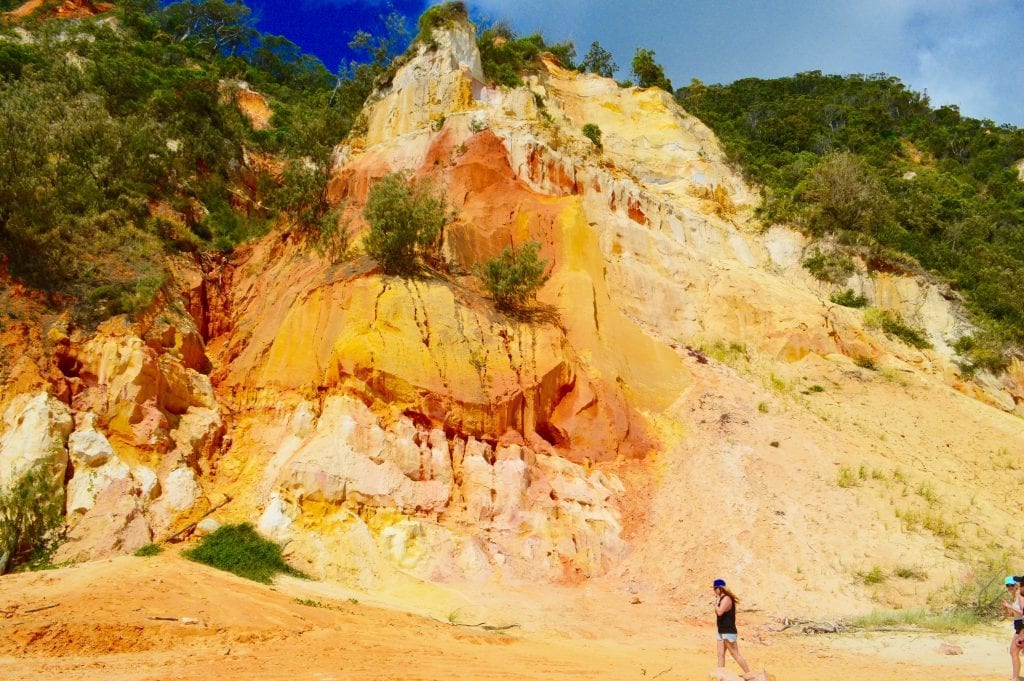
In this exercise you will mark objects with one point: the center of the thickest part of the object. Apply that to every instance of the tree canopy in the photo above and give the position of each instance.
(599, 60)
(648, 72)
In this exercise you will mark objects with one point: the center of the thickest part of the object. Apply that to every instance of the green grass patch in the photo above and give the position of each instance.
(873, 576)
(149, 550)
(847, 478)
(945, 622)
(239, 550)
(910, 573)
(893, 324)
(726, 353)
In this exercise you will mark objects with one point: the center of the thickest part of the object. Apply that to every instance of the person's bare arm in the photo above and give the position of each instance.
(724, 605)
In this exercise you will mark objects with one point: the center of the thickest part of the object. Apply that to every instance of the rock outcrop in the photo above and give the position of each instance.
(34, 433)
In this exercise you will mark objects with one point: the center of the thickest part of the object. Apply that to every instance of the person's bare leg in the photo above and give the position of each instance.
(1014, 660)
(734, 650)
(721, 653)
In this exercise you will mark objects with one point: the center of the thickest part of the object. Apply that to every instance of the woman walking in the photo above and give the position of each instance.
(1015, 609)
(725, 613)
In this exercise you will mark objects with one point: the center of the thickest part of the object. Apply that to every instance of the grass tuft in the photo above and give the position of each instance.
(149, 550)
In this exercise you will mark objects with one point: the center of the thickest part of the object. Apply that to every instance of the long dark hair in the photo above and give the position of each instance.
(730, 594)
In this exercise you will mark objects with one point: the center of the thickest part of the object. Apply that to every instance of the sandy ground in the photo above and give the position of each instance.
(165, 617)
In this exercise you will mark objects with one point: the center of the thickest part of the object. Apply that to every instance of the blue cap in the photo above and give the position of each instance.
(1010, 581)
(721, 582)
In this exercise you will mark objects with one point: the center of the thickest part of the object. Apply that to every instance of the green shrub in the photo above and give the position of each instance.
(149, 550)
(514, 276)
(239, 550)
(849, 299)
(831, 266)
(593, 133)
(987, 350)
(405, 219)
(980, 590)
(31, 511)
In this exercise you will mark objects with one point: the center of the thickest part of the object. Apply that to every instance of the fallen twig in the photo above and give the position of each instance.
(481, 625)
(660, 673)
(44, 607)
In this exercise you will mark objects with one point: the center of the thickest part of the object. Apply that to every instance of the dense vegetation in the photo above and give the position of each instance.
(873, 167)
(31, 511)
(102, 124)
(505, 55)
(123, 143)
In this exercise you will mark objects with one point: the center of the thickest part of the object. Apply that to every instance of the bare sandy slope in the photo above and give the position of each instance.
(125, 619)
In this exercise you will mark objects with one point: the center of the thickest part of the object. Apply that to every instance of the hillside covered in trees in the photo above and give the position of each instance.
(872, 167)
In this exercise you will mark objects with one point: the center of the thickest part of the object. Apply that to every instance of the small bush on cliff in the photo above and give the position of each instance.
(405, 218)
(239, 550)
(849, 299)
(30, 513)
(832, 266)
(514, 276)
(593, 133)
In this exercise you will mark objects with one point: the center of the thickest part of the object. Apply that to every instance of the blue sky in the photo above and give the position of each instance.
(964, 52)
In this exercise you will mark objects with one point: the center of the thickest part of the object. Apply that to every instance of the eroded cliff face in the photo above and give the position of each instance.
(381, 427)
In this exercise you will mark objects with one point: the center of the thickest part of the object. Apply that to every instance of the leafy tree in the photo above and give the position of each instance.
(355, 80)
(219, 26)
(649, 73)
(286, 63)
(14, 57)
(842, 194)
(599, 60)
(514, 276)
(405, 218)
